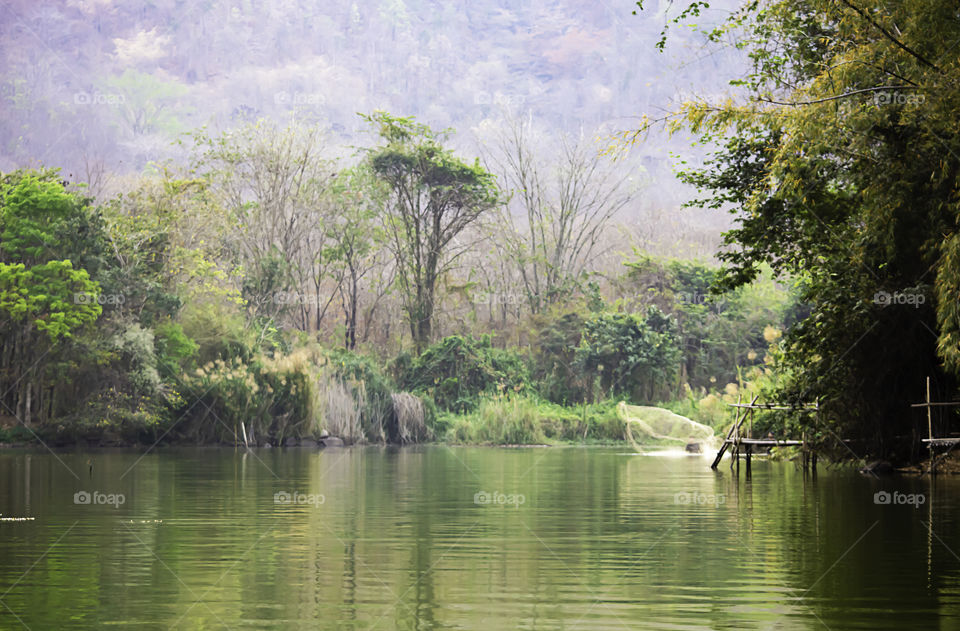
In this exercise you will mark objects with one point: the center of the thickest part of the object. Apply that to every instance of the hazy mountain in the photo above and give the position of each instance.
(101, 85)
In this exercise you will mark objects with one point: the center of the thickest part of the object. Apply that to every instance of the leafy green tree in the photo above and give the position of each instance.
(433, 197)
(842, 172)
(719, 332)
(44, 300)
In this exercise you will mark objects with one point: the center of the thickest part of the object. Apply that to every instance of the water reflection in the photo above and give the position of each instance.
(418, 539)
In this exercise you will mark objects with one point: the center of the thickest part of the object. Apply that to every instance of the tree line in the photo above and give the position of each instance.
(272, 289)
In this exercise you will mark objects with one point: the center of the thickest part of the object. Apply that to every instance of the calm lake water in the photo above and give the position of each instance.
(467, 538)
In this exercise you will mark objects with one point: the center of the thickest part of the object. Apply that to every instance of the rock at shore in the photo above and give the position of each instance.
(880, 467)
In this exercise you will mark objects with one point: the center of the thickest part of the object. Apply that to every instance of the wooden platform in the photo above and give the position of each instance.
(765, 442)
(932, 441)
(744, 446)
(940, 442)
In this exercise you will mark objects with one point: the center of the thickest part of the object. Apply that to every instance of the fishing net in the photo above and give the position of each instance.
(646, 422)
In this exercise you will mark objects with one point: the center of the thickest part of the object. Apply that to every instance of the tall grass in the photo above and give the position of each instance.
(409, 419)
(297, 395)
(525, 420)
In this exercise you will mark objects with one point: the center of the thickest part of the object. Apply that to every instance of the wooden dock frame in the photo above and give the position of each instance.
(931, 440)
(746, 444)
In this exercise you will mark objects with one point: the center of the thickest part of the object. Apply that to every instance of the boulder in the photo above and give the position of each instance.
(290, 442)
(694, 448)
(879, 467)
(308, 442)
(324, 434)
(331, 441)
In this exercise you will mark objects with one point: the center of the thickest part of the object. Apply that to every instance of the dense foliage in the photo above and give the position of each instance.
(253, 297)
(842, 173)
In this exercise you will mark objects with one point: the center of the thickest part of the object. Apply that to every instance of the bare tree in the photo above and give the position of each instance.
(359, 249)
(559, 210)
(276, 183)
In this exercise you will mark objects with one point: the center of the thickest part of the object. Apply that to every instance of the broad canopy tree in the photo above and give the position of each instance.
(842, 168)
(433, 197)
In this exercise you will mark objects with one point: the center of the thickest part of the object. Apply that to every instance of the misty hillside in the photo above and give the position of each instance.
(96, 85)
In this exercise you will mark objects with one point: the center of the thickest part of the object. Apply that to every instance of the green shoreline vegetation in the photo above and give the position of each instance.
(177, 313)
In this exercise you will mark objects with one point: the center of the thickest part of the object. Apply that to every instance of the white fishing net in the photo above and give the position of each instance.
(646, 422)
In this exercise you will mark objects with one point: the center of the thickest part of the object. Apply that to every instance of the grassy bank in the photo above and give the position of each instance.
(525, 419)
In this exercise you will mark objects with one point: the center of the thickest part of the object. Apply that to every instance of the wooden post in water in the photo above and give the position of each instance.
(816, 424)
(930, 428)
(749, 450)
(804, 456)
(736, 450)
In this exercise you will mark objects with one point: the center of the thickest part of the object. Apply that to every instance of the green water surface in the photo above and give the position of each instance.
(467, 538)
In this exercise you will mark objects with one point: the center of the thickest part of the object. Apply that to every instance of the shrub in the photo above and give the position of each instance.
(175, 350)
(457, 369)
(632, 356)
(554, 371)
(273, 398)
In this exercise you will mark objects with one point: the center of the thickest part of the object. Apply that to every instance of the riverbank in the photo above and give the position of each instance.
(496, 420)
